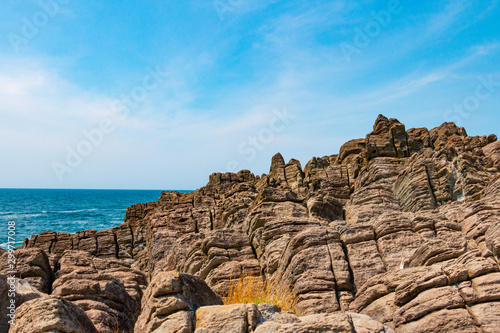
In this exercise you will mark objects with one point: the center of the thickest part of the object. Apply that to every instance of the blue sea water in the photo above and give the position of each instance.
(37, 210)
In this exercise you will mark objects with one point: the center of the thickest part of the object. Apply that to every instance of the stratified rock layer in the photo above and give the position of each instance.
(399, 231)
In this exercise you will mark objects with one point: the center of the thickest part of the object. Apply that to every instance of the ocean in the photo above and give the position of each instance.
(37, 210)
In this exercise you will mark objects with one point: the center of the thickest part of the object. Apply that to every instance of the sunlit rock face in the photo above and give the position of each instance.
(398, 231)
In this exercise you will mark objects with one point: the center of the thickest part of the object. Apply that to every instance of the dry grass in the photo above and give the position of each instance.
(116, 328)
(253, 289)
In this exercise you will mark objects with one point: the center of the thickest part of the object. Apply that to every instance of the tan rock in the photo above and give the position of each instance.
(52, 314)
(32, 265)
(443, 321)
(237, 318)
(170, 302)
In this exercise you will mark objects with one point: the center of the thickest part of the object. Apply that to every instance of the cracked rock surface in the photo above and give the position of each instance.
(399, 232)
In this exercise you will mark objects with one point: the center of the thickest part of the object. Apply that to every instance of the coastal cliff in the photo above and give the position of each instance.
(399, 231)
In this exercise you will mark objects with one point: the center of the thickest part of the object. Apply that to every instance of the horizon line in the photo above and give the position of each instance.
(92, 189)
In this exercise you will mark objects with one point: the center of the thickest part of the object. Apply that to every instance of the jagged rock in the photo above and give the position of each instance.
(13, 293)
(437, 250)
(33, 266)
(268, 311)
(109, 292)
(492, 151)
(373, 193)
(228, 256)
(418, 139)
(26, 292)
(270, 226)
(277, 171)
(413, 188)
(315, 281)
(170, 303)
(325, 176)
(293, 174)
(388, 139)
(363, 323)
(446, 132)
(352, 147)
(325, 207)
(487, 316)
(402, 226)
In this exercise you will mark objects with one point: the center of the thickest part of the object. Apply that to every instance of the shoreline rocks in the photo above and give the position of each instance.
(398, 232)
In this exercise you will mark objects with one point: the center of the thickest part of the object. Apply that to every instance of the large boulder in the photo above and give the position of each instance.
(170, 303)
(32, 265)
(107, 290)
(402, 226)
(51, 314)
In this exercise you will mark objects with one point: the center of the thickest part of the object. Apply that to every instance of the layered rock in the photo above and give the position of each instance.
(246, 318)
(32, 265)
(108, 291)
(402, 226)
(51, 314)
(170, 303)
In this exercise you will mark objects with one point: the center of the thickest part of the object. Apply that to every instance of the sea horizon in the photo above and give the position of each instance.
(92, 189)
(35, 210)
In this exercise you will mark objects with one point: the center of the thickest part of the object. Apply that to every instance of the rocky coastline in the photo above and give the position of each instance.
(398, 232)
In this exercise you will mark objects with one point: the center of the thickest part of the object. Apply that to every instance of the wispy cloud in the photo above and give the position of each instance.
(226, 79)
(445, 19)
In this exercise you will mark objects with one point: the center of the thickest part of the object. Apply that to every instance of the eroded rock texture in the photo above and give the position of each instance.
(171, 301)
(51, 314)
(399, 231)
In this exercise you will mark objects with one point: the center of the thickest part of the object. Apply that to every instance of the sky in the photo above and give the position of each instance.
(159, 95)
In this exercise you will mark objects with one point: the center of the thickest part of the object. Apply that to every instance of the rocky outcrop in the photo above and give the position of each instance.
(170, 303)
(108, 291)
(4, 303)
(32, 265)
(51, 314)
(399, 231)
(246, 318)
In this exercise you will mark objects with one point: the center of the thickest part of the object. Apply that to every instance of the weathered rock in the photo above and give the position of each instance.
(315, 282)
(108, 291)
(402, 226)
(492, 151)
(352, 147)
(51, 314)
(4, 303)
(335, 322)
(170, 302)
(237, 318)
(487, 316)
(33, 266)
(442, 321)
(388, 139)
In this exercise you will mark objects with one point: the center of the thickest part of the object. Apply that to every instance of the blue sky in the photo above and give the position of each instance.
(235, 81)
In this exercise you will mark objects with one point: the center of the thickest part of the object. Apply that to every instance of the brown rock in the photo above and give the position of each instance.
(51, 314)
(170, 302)
(403, 226)
(4, 303)
(108, 291)
(33, 266)
(443, 321)
(237, 318)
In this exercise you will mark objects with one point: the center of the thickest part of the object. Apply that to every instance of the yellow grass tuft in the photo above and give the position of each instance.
(253, 289)
(116, 328)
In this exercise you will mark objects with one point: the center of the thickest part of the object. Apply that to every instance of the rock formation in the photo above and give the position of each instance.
(398, 232)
